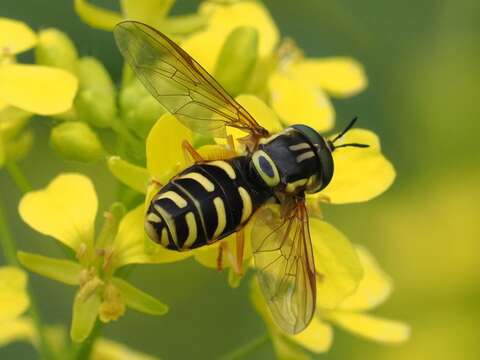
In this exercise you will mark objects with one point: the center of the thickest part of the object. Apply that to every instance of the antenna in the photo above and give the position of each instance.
(339, 136)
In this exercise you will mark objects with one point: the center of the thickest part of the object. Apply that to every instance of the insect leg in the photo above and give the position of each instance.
(240, 242)
(189, 150)
(230, 143)
(223, 249)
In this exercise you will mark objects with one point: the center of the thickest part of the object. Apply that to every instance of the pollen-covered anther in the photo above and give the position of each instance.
(81, 251)
(113, 306)
(89, 288)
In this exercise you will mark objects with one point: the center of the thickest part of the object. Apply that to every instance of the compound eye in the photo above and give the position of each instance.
(266, 168)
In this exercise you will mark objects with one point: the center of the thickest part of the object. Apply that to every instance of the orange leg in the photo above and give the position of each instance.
(230, 143)
(190, 153)
(225, 249)
(240, 251)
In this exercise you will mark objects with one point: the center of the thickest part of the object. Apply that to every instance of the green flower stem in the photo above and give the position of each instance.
(84, 350)
(119, 127)
(247, 349)
(10, 251)
(18, 177)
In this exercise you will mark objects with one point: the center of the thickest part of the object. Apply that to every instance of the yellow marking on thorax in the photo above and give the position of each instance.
(305, 156)
(192, 230)
(300, 146)
(202, 180)
(225, 166)
(172, 195)
(291, 187)
(269, 180)
(221, 217)
(247, 204)
(170, 222)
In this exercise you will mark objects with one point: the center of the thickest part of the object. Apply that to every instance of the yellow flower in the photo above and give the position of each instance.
(38, 89)
(205, 46)
(152, 12)
(55, 213)
(14, 302)
(374, 288)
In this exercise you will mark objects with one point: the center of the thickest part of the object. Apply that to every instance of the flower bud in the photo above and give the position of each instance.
(95, 101)
(16, 149)
(237, 59)
(140, 109)
(76, 141)
(54, 48)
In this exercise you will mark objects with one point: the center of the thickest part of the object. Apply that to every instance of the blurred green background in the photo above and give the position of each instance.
(422, 59)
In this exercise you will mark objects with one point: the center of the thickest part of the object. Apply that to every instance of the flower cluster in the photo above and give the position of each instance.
(275, 83)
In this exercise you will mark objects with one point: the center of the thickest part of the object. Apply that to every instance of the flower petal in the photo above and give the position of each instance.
(15, 36)
(317, 337)
(151, 12)
(65, 271)
(339, 76)
(360, 174)
(13, 292)
(373, 328)
(139, 300)
(286, 349)
(105, 349)
(39, 89)
(374, 288)
(299, 102)
(260, 111)
(164, 148)
(20, 329)
(96, 16)
(338, 268)
(131, 175)
(65, 209)
(129, 245)
(85, 312)
(205, 46)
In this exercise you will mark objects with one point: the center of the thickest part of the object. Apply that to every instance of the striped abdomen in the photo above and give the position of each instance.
(204, 203)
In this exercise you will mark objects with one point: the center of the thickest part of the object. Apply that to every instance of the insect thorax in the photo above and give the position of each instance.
(294, 161)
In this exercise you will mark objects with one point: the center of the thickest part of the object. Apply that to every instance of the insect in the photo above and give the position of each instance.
(212, 199)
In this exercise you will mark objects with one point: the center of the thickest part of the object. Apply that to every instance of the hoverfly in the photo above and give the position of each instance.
(212, 199)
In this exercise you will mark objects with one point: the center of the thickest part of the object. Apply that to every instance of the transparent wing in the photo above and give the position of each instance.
(179, 83)
(284, 260)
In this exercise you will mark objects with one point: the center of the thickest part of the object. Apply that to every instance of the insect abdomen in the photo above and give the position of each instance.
(204, 203)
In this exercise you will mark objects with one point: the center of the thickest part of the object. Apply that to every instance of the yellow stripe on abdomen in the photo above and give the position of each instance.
(172, 195)
(192, 230)
(202, 180)
(246, 202)
(221, 217)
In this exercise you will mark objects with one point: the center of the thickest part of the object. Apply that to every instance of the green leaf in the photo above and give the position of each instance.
(65, 271)
(131, 175)
(241, 49)
(139, 300)
(96, 16)
(338, 267)
(85, 312)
